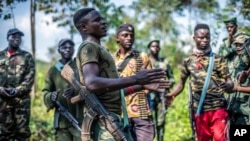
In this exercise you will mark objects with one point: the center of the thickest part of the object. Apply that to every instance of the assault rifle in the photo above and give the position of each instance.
(64, 112)
(190, 107)
(245, 46)
(95, 109)
(163, 101)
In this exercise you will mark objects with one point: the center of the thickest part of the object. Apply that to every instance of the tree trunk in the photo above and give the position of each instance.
(33, 38)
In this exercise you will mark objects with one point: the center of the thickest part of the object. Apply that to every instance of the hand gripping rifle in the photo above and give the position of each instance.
(64, 112)
(190, 107)
(95, 109)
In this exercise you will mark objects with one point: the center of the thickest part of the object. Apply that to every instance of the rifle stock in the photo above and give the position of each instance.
(95, 109)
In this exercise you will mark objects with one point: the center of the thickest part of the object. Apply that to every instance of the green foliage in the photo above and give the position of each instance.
(177, 127)
(41, 122)
(6, 6)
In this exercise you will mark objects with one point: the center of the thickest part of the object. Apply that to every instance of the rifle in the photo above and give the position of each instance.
(163, 102)
(190, 107)
(247, 42)
(95, 109)
(64, 112)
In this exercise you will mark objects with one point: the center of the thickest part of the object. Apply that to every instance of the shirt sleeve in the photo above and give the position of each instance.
(88, 53)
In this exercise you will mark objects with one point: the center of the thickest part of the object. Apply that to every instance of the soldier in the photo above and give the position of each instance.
(128, 62)
(239, 107)
(208, 98)
(227, 49)
(58, 89)
(99, 74)
(17, 72)
(237, 61)
(158, 99)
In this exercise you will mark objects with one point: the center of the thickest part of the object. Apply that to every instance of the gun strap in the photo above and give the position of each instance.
(126, 60)
(206, 83)
(124, 109)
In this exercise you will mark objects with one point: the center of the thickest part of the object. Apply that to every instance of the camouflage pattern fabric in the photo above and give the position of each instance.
(197, 77)
(154, 98)
(16, 71)
(239, 102)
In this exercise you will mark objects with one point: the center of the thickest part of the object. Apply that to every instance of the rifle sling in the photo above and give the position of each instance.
(206, 83)
(124, 63)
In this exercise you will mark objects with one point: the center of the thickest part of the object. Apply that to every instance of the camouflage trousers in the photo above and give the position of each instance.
(68, 134)
(15, 117)
(159, 115)
(240, 110)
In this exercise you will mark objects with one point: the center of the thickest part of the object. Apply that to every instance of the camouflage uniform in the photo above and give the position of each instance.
(238, 102)
(155, 98)
(53, 82)
(16, 71)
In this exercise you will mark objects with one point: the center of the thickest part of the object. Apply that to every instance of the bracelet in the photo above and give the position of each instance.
(131, 90)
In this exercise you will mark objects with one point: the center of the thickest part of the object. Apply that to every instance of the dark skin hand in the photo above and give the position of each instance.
(98, 84)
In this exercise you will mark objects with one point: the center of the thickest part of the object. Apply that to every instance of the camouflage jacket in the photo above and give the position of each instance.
(17, 71)
(164, 64)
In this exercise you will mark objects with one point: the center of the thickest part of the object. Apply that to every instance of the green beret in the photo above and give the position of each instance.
(232, 21)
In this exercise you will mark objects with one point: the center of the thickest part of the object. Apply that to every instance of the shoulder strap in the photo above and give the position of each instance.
(124, 63)
(207, 81)
(124, 109)
(59, 66)
(134, 54)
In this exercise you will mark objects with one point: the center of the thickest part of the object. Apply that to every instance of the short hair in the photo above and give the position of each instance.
(201, 26)
(78, 17)
(157, 41)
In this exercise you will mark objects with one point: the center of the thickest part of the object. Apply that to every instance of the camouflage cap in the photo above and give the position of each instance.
(63, 41)
(241, 39)
(125, 27)
(231, 21)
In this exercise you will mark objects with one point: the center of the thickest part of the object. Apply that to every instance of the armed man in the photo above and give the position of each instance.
(98, 73)
(237, 60)
(57, 92)
(157, 100)
(239, 107)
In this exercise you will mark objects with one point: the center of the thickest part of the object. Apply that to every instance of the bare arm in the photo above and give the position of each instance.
(177, 90)
(241, 89)
(98, 84)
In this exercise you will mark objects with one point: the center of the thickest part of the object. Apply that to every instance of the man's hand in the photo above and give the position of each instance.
(150, 76)
(68, 93)
(3, 92)
(226, 86)
(8, 92)
(54, 95)
(158, 87)
(242, 77)
(231, 38)
(169, 99)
